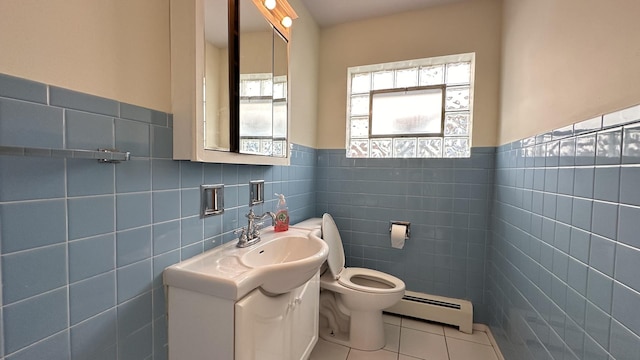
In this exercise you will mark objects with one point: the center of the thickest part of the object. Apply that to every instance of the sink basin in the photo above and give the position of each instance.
(279, 263)
(288, 261)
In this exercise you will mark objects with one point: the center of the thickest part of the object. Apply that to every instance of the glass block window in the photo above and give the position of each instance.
(416, 108)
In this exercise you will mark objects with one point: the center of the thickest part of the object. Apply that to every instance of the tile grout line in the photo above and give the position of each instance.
(66, 215)
(446, 344)
(400, 338)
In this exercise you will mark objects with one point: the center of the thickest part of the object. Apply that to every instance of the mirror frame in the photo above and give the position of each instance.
(234, 76)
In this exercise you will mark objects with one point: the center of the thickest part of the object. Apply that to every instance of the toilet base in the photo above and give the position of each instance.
(341, 338)
(366, 332)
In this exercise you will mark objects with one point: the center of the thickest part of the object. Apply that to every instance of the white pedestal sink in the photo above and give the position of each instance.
(209, 293)
(279, 263)
(285, 263)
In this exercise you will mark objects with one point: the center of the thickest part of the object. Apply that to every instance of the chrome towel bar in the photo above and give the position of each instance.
(102, 155)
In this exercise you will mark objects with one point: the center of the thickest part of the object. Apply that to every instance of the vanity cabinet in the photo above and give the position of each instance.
(283, 327)
(256, 327)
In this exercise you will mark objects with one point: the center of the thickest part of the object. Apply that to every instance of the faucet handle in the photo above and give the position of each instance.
(243, 234)
(255, 232)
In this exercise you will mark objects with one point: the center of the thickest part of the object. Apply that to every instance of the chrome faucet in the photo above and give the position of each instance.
(251, 234)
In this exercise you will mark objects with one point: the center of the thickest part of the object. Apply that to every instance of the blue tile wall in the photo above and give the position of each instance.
(84, 244)
(541, 234)
(447, 202)
(577, 296)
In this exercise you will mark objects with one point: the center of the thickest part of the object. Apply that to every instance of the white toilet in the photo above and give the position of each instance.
(352, 299)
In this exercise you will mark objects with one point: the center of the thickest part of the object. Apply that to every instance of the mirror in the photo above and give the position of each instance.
(216, 76)
(263, 69)
(248, 89)
(280, 94)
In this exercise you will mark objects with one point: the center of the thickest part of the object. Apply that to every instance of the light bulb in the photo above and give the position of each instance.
(286, 21)
(270, 4)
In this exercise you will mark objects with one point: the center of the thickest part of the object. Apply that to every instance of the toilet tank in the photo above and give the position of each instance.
(309, 224)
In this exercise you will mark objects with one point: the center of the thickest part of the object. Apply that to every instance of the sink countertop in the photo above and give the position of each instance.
(219, 271)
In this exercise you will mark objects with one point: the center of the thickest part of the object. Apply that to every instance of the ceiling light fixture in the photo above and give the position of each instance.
(270, 4)
(286, 22)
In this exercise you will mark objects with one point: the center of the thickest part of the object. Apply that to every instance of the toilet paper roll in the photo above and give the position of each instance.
(397, 235)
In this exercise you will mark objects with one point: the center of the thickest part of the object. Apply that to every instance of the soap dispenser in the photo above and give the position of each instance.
(282, 215)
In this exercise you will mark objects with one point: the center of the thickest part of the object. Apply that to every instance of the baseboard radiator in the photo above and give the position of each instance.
(439, 309)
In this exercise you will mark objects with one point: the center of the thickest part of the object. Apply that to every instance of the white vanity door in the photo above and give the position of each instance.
(283, 327)
(304, 318)
(262, 328)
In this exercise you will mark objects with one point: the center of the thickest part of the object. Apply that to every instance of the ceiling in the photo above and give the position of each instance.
(332, 12)
(325, 12)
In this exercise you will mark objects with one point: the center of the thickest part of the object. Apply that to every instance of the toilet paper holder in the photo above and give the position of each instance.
(407, 224)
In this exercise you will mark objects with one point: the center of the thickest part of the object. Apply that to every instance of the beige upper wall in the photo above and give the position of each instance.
(118, 49)
(472, 26)
(566, 61)
(563, 61)
(304, 57)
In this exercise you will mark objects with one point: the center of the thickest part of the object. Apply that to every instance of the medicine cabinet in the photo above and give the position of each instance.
(229, 81)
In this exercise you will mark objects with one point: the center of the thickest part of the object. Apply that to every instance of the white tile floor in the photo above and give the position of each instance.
(410, 339)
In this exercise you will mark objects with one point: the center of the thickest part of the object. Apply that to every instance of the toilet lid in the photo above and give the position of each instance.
(331, 236)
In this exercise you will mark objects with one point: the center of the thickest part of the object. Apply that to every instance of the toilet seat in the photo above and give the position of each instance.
(360, 279)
